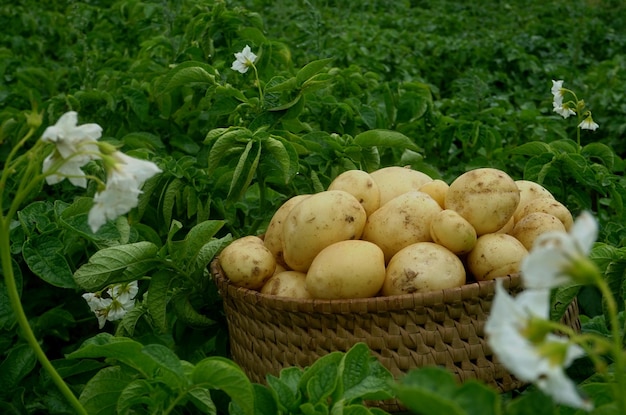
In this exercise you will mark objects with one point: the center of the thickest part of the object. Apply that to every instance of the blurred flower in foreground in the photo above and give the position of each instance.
(119, 300)
(517, 333)
(559, 258)
(125, 177)
(244, 60)
(75, 146)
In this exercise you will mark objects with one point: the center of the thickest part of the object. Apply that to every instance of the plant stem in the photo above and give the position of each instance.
(16, 305)
(620, 363)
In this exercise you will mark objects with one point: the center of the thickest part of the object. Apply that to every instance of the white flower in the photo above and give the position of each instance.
(562, 109)
(125, 178)
(516, 336)
(75, 147)
(557, 90)
(244, 60)
(99, 306)
(558, 258)
(588, 124)
(120, 301)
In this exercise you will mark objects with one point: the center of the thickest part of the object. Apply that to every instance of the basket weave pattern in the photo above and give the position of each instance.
(442, 328)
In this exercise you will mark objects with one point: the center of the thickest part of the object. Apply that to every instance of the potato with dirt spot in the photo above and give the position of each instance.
(318, 221)
(495, 255)
(551, 206)
(273, 238)
(533, 225)
(485, 197)
(246, 262)
(452, 231)
(529, 190)
(288, 284)
(402, 221)
(423, 267)
(347, 269)
(359, 184)
(394, 180)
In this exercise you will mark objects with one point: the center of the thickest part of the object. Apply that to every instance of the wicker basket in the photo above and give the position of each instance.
(443, 328)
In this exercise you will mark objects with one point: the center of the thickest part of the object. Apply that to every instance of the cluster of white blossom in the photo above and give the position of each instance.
(565, 109)
(113, 303)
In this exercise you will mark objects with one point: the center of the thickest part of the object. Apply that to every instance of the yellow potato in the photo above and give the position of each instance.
(452, 231)
(421, 267)
(495, 255)
(347, 269)
(402, 221)
(246, 262)
(437, 189)
(508, 227)
(273, 238)
(529, 190)
(551, 206)
(360, 185)
(318, 221)
(533, 225)
(485, 197)
(394, 180)
(291, 284)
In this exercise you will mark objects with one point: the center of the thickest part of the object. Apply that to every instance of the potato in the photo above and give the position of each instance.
(394, 180)
(273, 238)
(551, 206)
(508, 227)
(485, 197)
(437, 189)
(291, 284)
(421, 267)
(246, 262)
(402, 221)
(360, 185)
(495, 255)
(452, 231)
(533, 225)
(529, 190)
(318, 221)
(347, 269)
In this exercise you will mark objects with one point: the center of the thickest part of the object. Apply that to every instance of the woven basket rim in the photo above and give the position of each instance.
(466, 292)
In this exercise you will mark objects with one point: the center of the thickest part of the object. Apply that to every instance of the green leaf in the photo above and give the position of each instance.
(289, 399)
(244, 171)
(320, 380)
(264, 401)
(429, 391)
(117, 264)
(534, 148)
(123, 349)
(600, 152)
(385, 138)
(18, 363)
(158, 296)
(562, 298)
(223, 374)
(168, 362)
(137, 392)
(201, 398)
(363, 376)
(101, 393)
(44, 256)
(531, 402)
(185, 253)
(310, 69)
(187, 76)
(477, 399)
(187, 312)
(232, 140)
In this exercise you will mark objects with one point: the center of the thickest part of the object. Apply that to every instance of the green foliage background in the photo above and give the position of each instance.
(442, 86)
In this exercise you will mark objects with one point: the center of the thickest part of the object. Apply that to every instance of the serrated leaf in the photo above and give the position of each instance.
(223, 374)
(44, 256)
(385, 138)
(101, 393)
(117, 264)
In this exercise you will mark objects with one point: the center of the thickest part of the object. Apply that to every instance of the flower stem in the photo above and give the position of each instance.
(16, 305)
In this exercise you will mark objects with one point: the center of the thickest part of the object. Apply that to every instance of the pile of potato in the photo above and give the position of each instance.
(395, 231)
